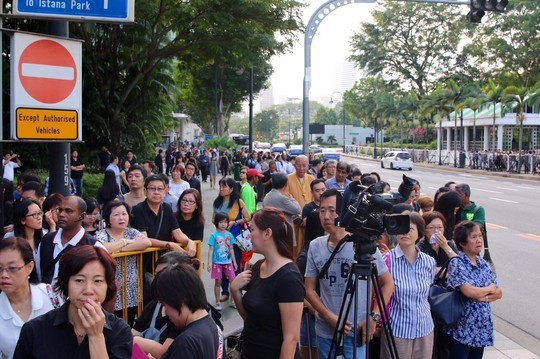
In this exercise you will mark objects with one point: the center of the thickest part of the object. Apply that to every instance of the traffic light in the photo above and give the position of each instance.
(479, 8)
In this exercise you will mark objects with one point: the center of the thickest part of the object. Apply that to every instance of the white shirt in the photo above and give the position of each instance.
(9, 170)
(11, 323)
(58, 248)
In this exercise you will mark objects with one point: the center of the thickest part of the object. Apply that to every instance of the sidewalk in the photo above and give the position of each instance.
(504, 347)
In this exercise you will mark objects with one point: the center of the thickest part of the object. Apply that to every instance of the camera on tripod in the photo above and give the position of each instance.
(367, 213)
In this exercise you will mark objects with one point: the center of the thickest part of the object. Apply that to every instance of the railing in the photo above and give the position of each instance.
(530, 163)
(155, 253)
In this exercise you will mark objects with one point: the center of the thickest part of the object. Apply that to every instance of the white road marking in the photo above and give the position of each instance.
(487, 190)
(48, 71)
(503, 200)
(508, 189)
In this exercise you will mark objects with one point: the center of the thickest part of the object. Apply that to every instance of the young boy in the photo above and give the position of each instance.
(221, 258)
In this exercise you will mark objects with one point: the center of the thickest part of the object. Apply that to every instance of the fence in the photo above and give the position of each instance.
(498, 161)
(154, 254)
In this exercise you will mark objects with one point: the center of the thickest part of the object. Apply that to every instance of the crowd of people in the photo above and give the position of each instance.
(59, 281)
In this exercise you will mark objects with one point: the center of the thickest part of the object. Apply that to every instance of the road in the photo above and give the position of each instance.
(513, 229)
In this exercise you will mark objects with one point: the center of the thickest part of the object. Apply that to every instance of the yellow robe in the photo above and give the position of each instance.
(301, 192)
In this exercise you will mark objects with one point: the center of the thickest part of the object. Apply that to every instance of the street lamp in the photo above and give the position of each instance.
(342, 111)
(239, 72)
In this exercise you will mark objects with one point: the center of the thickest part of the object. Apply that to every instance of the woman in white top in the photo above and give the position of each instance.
(177, 185)
(22, 298)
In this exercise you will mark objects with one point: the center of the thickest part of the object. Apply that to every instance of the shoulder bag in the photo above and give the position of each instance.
(447, 304)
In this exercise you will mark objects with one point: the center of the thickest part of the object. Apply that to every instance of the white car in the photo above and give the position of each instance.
(397, 160)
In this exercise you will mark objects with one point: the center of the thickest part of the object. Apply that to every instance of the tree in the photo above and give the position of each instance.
(331, 139)
(128, 68)
(519, 99)
(508, 44)
(494, 95)
(475, 100)
(265, 123)
(408, 42)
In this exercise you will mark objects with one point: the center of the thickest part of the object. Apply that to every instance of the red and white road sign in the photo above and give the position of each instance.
(47, 71)
(46, 91)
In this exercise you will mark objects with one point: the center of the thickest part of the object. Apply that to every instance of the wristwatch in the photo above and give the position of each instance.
(376, 317)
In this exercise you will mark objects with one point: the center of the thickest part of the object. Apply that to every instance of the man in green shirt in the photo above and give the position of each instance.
(247, 193)
(470, 211)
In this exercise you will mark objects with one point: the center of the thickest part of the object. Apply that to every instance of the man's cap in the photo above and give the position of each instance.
(252, 172)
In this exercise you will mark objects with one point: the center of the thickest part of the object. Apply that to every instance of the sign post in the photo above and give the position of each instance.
(95, 10)
(46, 88)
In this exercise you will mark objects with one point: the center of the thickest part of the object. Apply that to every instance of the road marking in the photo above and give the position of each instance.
(495, 226)
(503, 200)
(471, 176)
(534, 237)
(487, 190)
(508, 189)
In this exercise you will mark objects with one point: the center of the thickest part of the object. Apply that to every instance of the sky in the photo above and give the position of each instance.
(330, 47)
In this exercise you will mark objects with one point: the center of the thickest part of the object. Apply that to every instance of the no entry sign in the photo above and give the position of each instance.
(47, 71)
(45, 88)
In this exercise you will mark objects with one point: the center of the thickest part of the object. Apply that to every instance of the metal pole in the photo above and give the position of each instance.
(251, 110)
(343, 110)
(59, 152)
(455, 136)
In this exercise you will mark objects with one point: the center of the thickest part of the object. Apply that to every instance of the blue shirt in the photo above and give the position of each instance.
(410, 312)
(332, 183)
(222, 245)
(475, 327)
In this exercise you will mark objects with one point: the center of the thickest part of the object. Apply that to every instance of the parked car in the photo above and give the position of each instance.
(278, 147)
(331, 154)
(295, 150)
(315, 148)
(397, 160)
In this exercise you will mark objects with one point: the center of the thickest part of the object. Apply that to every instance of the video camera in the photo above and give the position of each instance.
(366, 213)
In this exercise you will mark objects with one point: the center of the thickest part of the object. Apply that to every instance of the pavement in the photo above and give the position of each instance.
(514, 343)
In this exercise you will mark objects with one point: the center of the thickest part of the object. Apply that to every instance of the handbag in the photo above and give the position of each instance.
(234, 347)
(447, 304)
(243, 240)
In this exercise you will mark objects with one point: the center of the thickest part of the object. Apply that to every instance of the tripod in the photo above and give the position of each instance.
(363, 268)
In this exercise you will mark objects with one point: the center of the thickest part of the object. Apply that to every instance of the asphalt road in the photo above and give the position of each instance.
(513, 225)
(514, 238)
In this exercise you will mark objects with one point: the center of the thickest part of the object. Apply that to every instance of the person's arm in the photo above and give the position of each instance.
(291, 316)
(139, 243)
(210, 256)
(239, 283)
(313, 298)
(481, 294)
(170, 246)
(152, 347)
(180, 237)
(93, 321)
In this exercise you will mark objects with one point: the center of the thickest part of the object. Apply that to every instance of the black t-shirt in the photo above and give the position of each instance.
(308, 208)
(191, 228)
(143, 322)
(267, 176)
(193, 183)
(201, 339)
(145, 220)
(263, 333)
(76, 174)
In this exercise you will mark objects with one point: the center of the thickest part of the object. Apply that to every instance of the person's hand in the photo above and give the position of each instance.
(92, 318)
(175, 247)
(191, 248)
(441, 241)
(383, 248)
(8, 228)
(235, 266)
(209, 267)
(241, 281)
(372, 327)
(332, 320)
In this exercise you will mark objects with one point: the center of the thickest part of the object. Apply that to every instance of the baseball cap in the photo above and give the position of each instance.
(252, 172)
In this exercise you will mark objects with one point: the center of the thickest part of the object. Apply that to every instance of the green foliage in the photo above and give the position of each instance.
(265, 124)
(408, 42)
(319, 140)
(222, 143)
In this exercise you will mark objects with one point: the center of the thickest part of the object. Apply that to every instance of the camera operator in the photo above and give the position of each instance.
(332, 286)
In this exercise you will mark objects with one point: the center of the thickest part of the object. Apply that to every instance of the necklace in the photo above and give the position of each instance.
(79, 335)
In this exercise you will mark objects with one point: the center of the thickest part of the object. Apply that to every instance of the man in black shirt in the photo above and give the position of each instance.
(189, 176)
(157, 221)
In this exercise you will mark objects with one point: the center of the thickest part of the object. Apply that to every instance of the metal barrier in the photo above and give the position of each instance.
(155, 253)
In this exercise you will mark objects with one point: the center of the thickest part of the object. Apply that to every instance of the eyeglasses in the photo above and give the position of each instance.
(155, 189)
(92, 216)
(188, 201)
(36, 215)
(11, 270)
(435, 228)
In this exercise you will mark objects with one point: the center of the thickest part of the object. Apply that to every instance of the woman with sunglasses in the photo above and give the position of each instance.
(91, 220)
(22, 297)
(190, 214)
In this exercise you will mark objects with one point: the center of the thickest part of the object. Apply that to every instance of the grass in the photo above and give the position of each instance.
(91, 181)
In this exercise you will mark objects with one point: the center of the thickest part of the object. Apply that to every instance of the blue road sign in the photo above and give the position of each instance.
(100, 10)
